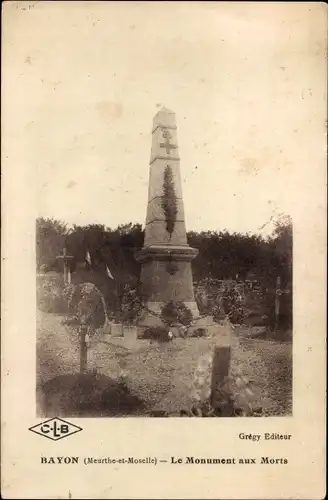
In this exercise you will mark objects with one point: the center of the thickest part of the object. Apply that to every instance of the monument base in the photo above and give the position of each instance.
(166, 276)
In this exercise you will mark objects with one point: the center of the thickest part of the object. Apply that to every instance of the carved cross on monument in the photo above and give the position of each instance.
(166, 144)
(66, 259)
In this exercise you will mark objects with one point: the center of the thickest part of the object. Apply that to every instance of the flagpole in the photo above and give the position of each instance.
(117, 281)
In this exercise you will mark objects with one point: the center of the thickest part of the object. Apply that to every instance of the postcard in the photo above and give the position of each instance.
(164, 250)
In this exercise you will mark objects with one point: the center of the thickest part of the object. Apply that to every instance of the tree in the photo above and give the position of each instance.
(113, 248)
(50, 237)
(224, 255)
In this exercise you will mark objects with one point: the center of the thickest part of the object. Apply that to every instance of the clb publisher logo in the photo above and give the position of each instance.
(55, 429)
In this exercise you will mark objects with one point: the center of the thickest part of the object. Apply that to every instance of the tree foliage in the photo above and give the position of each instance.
(282, 242)
(49, 241)
(222, 255)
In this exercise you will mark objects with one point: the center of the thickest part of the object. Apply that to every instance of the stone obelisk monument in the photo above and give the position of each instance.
(166, 256)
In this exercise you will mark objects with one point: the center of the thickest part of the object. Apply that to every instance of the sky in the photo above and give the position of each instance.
(246, 81)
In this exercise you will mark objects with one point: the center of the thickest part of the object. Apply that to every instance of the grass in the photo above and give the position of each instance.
(151, 377)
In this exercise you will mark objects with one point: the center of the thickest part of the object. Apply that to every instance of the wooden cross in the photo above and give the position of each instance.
(66, 258)
(167, 144)
(279, 293)
(84, 339)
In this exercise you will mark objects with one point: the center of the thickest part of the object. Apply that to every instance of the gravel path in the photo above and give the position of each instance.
(56, 353)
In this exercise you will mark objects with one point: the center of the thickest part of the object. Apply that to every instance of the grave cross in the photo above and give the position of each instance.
(84, 339)
(279, 293)
(167, 144)
(66, 259)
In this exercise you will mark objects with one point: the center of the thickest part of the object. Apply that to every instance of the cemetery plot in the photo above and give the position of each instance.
(150, 377)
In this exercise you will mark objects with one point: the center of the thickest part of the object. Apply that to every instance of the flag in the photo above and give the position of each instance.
(88, 257)
(109, 273)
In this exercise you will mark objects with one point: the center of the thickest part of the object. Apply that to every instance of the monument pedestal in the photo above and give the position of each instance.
(166, 276)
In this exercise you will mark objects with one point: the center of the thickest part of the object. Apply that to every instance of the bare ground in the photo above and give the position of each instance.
(147, 376)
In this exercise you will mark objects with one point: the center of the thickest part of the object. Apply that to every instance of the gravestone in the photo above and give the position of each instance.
(166, 256)
(210, 375)
(116, 330)
(130, 334)
(220, 370)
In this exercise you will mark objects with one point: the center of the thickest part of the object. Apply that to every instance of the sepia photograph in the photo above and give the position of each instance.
(164, 250)
(164, 235)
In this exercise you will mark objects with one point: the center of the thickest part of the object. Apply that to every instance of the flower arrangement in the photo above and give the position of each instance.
(176, 312)
(157, 333)
(131, 306)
